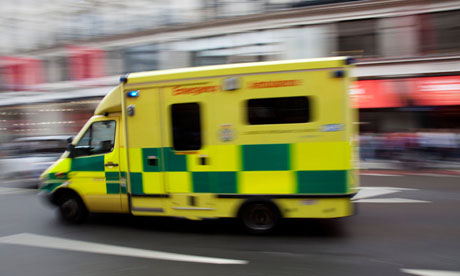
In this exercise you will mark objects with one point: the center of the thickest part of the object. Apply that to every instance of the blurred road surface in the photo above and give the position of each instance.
(406, 225)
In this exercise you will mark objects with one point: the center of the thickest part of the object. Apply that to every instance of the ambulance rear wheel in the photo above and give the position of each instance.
(71, 208)
(259, 217)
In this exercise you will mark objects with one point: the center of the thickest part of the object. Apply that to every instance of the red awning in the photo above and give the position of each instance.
(436, 91)
(429, 91)
(375, 94)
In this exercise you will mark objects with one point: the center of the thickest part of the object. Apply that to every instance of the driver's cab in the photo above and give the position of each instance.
(91, 165)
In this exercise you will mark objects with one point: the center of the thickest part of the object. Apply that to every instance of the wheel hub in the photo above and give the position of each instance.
(69, 208)
(260, 217)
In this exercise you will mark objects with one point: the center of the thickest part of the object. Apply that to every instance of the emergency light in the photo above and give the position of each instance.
(133, 94)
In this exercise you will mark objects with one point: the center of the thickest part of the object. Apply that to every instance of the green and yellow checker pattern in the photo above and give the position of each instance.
(51, 179)
(88, 175)
(299, 168)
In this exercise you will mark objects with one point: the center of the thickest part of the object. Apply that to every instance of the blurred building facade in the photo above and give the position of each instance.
(408, 52)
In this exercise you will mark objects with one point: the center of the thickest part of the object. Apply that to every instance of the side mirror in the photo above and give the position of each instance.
(69, 146)
(80, 151)
(71, 149)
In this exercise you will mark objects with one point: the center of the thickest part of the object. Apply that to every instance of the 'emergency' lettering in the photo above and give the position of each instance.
(273, 84)
(177, 90)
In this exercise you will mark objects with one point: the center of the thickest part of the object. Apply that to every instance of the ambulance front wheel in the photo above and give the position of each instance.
(259, 217)
(71, 208)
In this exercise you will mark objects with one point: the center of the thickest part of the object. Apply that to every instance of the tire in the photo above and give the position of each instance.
(71, 208)
(259, 217)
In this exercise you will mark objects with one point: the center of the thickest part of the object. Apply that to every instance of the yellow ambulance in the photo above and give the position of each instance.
(256, 141)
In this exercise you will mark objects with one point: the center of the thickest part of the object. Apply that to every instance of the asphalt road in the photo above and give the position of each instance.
(403, 222)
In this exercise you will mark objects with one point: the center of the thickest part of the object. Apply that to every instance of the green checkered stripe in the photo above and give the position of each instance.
(113, 182)
(53, 181)
(202, 182)
(96, 164)
(277, 157)
(270, 157)
(273, 157)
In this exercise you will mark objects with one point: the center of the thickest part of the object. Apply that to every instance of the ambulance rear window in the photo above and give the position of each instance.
(286, 110)
(186, 126)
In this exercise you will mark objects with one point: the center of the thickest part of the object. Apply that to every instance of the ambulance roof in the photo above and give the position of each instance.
(112, 101)
(235, 69)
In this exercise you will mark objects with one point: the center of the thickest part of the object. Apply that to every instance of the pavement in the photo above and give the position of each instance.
(378, 164)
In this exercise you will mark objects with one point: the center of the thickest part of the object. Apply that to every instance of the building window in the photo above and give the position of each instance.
(287, 110)
(357, 38)
(186, 126)
(202, 58)
(440, 32)
(141, 58)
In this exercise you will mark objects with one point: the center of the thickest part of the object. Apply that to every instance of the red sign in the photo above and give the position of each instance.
(436, 91)
(20, 72)
(429, 91)
(375, 94)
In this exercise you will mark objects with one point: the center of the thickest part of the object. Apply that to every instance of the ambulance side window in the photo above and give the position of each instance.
(286, 110)
(186, 126)
(98, 139)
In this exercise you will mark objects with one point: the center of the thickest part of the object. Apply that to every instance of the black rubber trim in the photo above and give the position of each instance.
(151, 195)
(283, 196)
(124, 78)
(350, 61)
(254, 196)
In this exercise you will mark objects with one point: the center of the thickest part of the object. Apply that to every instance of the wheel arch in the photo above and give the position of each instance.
(264, 200)
(58, 193)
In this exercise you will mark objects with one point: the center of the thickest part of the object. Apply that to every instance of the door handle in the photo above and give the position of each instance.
(203, 160)
(152, 160)
(111, 164)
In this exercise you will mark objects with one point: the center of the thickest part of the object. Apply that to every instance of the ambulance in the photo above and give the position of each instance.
(257, 141)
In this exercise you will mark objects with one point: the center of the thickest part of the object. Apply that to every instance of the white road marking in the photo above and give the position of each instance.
(390, 200)
(425, 272)
(34, 240)
(367, 194)
(379, 174)
(7, 191)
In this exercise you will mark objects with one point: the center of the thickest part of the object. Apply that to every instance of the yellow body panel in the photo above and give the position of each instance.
(110, 103)
(315, 208)
(135, 160)
(153, 183)
(103, 203)
(81, 179)
(267, 182)
(321, 156)
(227, 157)
(179, 182)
